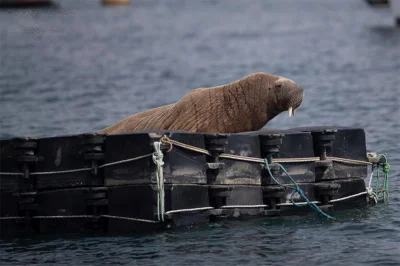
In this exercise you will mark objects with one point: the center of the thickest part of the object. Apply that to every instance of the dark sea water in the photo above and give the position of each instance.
(80, 67)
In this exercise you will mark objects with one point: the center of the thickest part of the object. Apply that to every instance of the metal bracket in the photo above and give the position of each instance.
(324, 142)
(325, 191)
(92, 147)
(272, 195)
(270, 144)
(27, 205)
(25, 154)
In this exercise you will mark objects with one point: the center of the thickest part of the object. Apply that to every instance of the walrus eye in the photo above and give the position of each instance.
(278, 85)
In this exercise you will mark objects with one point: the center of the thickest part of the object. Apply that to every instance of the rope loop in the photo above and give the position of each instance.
(372, 195)
(171, 142)
(165, 139)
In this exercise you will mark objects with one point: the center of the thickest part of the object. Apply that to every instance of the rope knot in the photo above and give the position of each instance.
(371, 194)
(165, 139)
(158, 156)
(386, 168)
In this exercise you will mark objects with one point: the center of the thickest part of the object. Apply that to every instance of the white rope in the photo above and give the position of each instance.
(48, 217)
(9, 173)
(77, 216)
(372, 195)
(348, 197)
(370, 192)
(79, 169)
(129, 219)
(13, 218)
(62, 216)
(125, 161)
(297, 203)
(243, 206)
(370, 179)
(61, 172)
(190, 210)
(158, 161)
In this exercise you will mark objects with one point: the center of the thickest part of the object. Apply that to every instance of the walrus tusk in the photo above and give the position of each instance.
(291, 111)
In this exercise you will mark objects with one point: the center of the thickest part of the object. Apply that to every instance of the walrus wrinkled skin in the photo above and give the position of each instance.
(244, 105)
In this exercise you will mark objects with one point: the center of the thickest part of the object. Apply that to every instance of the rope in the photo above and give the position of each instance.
(158, 161)
(171, 142)
(125, 161)
(63, 216)
(48, 217)
(129, 219)
(79, 169)
(349, 161)
(295, 160)
(241, 158)
(13, 218)
(348, 197)
(190, 210)
(297, 203)
(10, 173)
(292, 160)
(77, 216)
(296, 189)
(61, 172)
(370, 191)
(243, 206)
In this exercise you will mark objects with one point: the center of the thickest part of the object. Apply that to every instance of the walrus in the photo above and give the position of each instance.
(244, 105)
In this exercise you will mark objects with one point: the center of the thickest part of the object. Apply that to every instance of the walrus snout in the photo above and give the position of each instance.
(297, 99)
(291, 94)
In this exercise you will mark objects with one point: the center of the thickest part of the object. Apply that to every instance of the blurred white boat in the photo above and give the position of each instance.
(394, 6)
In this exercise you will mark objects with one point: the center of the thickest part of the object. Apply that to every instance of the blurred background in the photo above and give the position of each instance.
(79, 66)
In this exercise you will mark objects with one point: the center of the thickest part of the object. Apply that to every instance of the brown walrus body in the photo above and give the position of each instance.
(244, 105)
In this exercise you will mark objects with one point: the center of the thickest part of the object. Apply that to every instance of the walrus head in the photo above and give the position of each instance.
(289, 95)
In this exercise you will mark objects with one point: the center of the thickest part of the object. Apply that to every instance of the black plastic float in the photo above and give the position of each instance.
(98, 183)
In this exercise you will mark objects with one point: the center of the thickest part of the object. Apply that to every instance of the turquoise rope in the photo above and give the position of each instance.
(296, 189)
